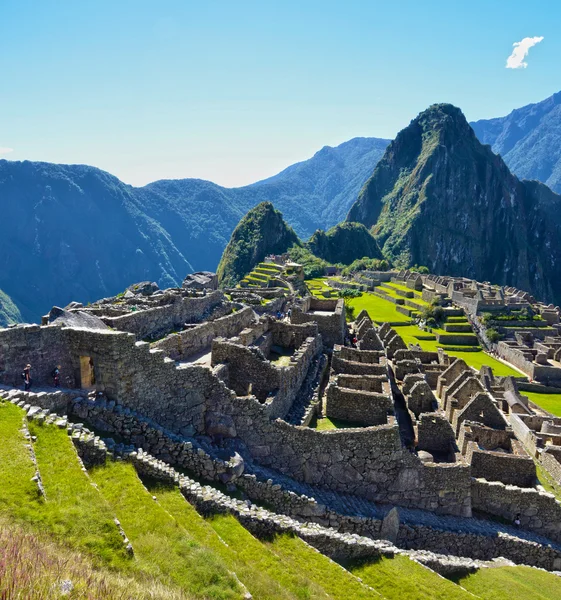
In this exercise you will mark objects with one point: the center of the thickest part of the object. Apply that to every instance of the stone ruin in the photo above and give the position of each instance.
(201, 381)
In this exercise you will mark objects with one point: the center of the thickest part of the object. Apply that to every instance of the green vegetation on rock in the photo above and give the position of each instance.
(260, 233)
(439, 198)
(344, 244)
(9, 312)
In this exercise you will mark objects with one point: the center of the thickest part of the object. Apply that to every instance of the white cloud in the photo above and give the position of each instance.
(520, 52)
(4, 150)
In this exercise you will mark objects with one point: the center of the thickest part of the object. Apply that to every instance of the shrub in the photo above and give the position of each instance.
(493, 335)
(349, 312)
(349, 293)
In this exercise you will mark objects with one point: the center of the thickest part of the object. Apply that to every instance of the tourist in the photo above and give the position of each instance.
(278, 314)
(517, 520)
(289, 313)
(26, 376)
(56, 376)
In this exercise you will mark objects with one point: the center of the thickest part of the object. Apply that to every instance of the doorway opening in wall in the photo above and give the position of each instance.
(87, 372)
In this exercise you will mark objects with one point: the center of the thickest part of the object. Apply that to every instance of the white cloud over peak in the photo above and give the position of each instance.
(4, 150)
(520, 52)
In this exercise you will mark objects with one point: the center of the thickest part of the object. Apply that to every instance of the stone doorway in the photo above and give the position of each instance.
(87, 372)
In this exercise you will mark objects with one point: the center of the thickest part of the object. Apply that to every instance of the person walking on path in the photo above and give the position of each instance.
(26, 376)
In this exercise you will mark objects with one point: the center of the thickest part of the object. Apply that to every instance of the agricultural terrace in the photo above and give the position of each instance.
(383, 310)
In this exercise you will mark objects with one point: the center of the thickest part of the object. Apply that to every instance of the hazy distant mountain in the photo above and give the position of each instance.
(73, 232)
(529, 140)
(440, 198)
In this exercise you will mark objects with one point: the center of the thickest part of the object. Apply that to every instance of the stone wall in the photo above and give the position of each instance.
(250, 370)
(328, 314)
(179, 346)
(510, 469)
(543, 373)
(356, 406)
(550, 458)
(435, 434)
(539, 511)
(367, 462)
(151, 322)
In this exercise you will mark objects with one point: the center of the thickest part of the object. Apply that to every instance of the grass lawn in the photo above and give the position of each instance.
(326, 424)
(260, 570)
(74, 510)
(510, 583)
(478, 359)
(399, 578)
(380, 310)
(549, 402)
(19, 495)
(161, 545)
(335, 581)
(417, 296)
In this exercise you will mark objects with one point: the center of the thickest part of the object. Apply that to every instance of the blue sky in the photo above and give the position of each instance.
(236, 91)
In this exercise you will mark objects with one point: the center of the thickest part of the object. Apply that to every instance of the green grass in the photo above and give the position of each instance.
(548, 482)
(336, 581)
(549, 402)
(261, 571)
(286, 581)
(162, 546)
(417, 296)
(18, 494)
(513, 583)
(379, 310)
(74, 510)
(326, 424)
(399, 578)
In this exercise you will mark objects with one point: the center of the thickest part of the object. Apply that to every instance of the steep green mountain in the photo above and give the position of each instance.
(73, 232)
(440, 198)
(260, 233)
(344, 243)
(529, 140)
(9, 312)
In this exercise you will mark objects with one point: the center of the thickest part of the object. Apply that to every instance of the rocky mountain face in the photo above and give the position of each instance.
(260, 233)
(440, 198)
(529, 140)
(73, 232)
(9, 312)
(344, 243)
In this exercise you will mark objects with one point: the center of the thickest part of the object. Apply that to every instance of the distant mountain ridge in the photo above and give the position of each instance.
(528, 139)
(440, 198)
(75, 232)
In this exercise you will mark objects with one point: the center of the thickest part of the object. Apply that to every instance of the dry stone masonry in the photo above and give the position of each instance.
(216, 385)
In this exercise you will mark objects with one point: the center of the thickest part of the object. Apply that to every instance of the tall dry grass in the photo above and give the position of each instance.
(33, 567)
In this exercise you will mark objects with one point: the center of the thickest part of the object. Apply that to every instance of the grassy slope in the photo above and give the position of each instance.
(162, 546)
(74, 517)
(415, 581)
(261, 571)
(18, 494)
(510, 583)
(76, 512)
(335, 580)
(549, 402)
(32, 565)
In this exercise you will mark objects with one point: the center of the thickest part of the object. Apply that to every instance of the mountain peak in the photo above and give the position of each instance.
(438, 197)
(261, 232)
